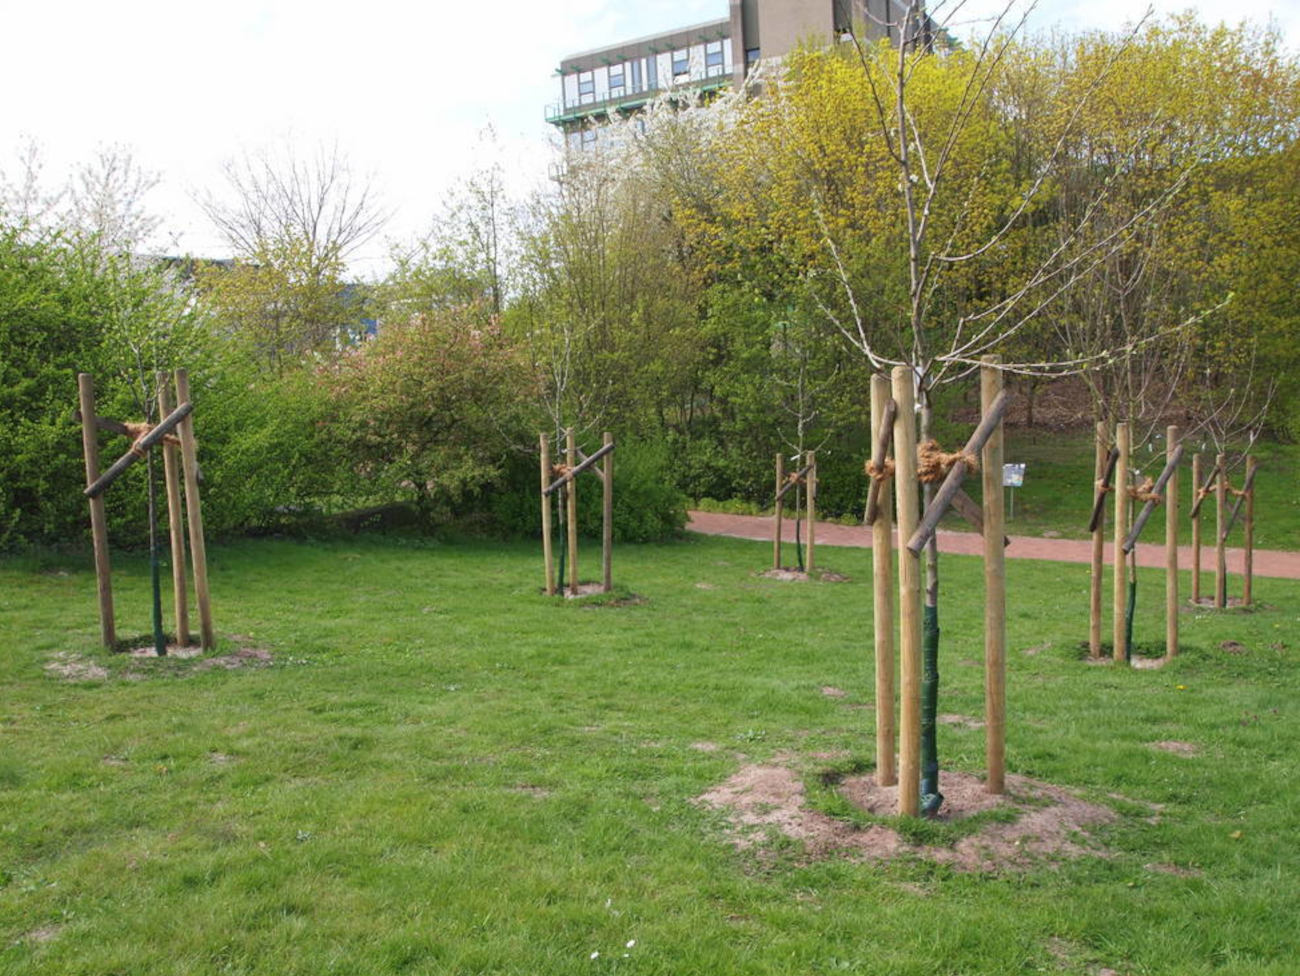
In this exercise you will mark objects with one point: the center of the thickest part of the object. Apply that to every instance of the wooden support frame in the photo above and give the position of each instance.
(601, 464)
(177, 426)
(913, 535)
(805, 476)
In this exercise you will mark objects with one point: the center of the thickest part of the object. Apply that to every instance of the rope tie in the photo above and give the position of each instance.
(1103, 487)
(560, 470)
(1236, 492)
(1144, 493)
(881, 473)
(933, 464)
(794, 478)
(1203, 493)
(138, 431)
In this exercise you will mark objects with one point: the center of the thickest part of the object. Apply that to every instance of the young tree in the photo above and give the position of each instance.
(292, 223)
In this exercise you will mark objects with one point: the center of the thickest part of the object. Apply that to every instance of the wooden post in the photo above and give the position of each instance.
(1248, 564)
(776, 529)
(547, 553)
(571, 459)
(995, 588)
(175, 520)
(1120, 648)
(1098, 548)
(1172, 438)
(194, 515)
(98, 520)
(607, 537)
(882, 576)
(1196, 530)
(1220, 552)
(811, 491)
(909, 593)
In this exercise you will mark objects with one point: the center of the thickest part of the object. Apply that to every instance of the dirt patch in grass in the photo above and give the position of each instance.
(141, 663)
(46, 933)
(67, 666)
(960, 721)
(799, 576)
(1043, 821)
(830, 691)
(1233, 647)
(785, 575)
(1177, 748)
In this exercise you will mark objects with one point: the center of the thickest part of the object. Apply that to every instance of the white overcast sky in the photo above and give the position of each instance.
(404, 88)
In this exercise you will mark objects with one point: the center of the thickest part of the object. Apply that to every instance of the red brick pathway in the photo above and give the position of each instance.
(1268, 562)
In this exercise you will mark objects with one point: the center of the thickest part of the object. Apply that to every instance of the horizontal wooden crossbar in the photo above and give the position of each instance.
(138, 449)
(1158, 488)
(956, 474)
(568, 476)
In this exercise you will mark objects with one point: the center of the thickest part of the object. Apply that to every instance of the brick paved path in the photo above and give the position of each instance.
(1268, 562)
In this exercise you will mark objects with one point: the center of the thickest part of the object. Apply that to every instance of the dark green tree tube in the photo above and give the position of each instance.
(931, 798)
(1130, 606)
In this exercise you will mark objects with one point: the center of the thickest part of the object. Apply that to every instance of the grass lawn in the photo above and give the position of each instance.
(442, 771)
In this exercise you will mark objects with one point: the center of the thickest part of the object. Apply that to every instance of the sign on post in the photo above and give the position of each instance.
(1013, 477)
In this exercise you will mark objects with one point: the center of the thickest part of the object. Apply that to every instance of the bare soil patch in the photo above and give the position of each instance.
(785, 575)
(960, 721)
(1233, 647)
(832, 692)
(73, 667)
(1148, 663)
(145, 663)
(1050, 822)
(1177, 748)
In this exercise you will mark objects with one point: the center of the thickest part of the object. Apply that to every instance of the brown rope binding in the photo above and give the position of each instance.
(1143, 492)
(559, 471)
(1103, 487)
(793, 478)
(933, 464)
(138, 431)
(880, 474)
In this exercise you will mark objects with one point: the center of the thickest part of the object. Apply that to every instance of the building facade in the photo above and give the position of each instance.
(621, 78)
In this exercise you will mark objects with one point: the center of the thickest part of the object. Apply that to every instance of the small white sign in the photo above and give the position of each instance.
(1013, 475)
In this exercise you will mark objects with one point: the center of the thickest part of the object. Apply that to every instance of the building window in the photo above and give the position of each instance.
(616, 76)
(681, 64)
(751, 55)
(636, 75)
(588, 137)
(586, 88)
(652, 72)
(713, 64)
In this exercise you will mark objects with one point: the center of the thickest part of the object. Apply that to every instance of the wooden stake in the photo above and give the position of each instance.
(1098, 548)
(909, 594)
(1196, 531)
(1120, 639)
(194, 515)
(1220, 551)
(98, 520)
(882, 604)
(571, 459)
(1248, 567)
(175, 520)
(607, 536)
(547, 554)
(811, 490)
(1173, 448)
(776, 518)
(995, 588)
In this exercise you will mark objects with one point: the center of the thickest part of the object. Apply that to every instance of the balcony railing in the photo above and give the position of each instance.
(559, 113)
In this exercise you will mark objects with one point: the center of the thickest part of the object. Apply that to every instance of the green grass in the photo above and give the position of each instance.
(445, 772)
